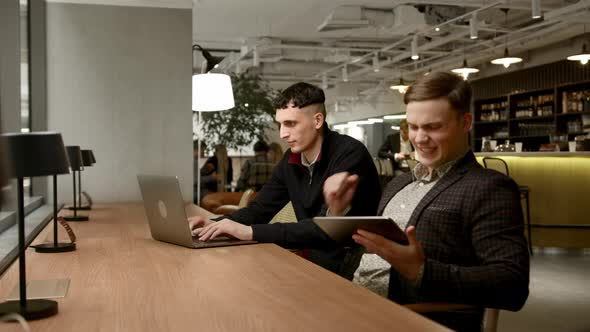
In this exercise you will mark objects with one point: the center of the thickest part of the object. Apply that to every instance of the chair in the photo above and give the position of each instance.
(377, 165)
(226, 202)
(500, 165)
(247, 196)
(412, 163)
(286, 215)
(388, 166)
(490, 317)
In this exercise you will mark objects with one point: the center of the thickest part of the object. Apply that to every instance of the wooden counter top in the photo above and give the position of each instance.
(534, 154)
(123, 280)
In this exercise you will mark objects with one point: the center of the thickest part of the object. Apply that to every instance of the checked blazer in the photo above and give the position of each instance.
(470, 225)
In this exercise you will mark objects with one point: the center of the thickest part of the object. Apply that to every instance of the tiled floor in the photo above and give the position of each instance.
(559, 297)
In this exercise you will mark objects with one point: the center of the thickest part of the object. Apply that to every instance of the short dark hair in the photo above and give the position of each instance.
(196, 145)
(403, 124)
(301, 95)
(441, 85)
(261, 146)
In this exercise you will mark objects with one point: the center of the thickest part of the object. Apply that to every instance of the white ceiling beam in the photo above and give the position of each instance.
(571, 9)
(512, 4)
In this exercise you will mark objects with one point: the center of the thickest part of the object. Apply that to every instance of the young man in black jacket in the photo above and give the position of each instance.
(315, 154)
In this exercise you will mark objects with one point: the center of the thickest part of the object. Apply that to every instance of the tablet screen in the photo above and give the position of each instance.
(341, 229)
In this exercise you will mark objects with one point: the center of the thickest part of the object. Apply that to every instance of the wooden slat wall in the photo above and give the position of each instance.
(540, 77)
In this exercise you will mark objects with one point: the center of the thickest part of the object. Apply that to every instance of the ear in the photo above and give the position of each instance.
(318, 119)
(467, 121)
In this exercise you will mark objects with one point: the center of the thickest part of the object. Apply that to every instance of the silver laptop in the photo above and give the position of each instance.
(166, 215)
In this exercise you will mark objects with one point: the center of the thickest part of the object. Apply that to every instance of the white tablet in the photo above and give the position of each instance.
(341, 229)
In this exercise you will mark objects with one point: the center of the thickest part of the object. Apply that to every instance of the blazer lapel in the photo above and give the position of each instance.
(454, 175)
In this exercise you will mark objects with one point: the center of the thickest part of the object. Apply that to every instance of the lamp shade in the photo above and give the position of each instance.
(212, 92)
(92, 156)
(87, 159)
(75, 156)
(35, 154)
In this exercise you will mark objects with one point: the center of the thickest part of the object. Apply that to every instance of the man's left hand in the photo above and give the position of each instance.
(406, 259)
(225, 227)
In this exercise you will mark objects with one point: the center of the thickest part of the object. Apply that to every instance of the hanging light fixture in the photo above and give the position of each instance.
(376, 63)
(536, 9)
(506, 60)
(414, 47)
(465, 70)
(473, 26)
(402, 87)
(344, 74)
(582, 57)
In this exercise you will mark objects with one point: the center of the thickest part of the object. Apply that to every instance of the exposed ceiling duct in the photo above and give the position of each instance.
(373, 41)
(389, 22)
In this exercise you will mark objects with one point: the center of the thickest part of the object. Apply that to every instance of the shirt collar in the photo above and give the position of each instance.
(420, 172)
(307, 163)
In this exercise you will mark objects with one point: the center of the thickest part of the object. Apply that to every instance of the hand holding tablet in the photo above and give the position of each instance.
(341, 229)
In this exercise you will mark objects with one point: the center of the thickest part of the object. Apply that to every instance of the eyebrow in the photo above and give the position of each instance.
(429, 124)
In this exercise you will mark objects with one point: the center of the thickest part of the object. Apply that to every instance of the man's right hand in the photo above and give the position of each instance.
(198, 222)
(338, 192)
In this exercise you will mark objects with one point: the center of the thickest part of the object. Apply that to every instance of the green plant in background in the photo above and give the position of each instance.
(248, 120)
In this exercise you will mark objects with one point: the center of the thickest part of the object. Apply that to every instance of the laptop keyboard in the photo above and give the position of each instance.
(215, 240)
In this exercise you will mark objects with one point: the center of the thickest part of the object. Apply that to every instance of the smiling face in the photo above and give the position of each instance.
(437, 132)
(301, 128)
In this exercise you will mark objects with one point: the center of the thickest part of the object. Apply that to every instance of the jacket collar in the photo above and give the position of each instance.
(454, 174)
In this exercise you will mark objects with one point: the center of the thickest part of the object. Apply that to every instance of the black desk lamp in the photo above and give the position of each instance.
(29, 155)
(92, 156)
(49, 247)
(87, 161)
(85, 193)
(75, 157)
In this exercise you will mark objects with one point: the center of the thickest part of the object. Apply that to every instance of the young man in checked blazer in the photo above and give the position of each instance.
(464, 222)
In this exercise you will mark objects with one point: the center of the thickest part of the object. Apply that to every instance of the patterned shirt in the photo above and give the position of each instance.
(402, 205)
(373, 271)
(255, 172)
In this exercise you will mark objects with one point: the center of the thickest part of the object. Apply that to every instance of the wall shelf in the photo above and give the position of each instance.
(573, 113)
(535, 102)
(490, 122)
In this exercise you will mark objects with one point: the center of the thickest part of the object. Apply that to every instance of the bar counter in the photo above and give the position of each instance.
(559, 185)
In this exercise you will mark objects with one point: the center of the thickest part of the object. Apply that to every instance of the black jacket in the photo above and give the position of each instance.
(390, 146)
(291, 181)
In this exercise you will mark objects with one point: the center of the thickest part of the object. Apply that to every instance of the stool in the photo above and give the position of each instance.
(502, 167)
